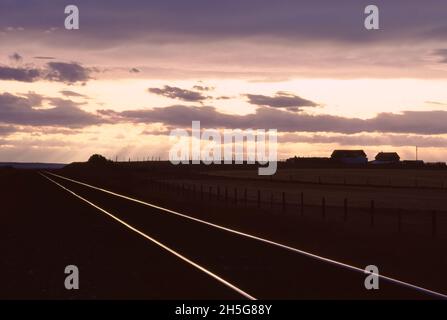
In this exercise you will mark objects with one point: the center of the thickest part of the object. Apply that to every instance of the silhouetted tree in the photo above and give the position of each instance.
(98, 159)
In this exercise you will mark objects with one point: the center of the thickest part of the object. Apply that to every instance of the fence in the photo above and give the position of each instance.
(423, 222)
(378, 182)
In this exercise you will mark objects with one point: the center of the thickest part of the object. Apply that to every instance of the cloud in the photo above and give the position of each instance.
(293, 20)
(324, 38)
(34, 99)
(69, 93)
(437, 104)
(416, 122)
(203, 88)
(442, 53)
(12, 29)
(67, 72)
(16, 57)
(280, 100)
(178, 93)
(44, 58)
(156, 132)
(6, 130)
(19, 74)
(51, 30)
(395, 140)
(134, 70)
(22, 110)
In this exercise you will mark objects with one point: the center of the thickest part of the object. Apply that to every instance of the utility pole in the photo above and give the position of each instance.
(416, 153)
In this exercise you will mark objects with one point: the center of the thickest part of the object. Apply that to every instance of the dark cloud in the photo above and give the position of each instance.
(44, 58)
(286, 19)
(281, 100)
(178, 93)
(312, 38)
(6, 130)
(436, 103)
(442, 54)
(26, 109)
(69, 93)
(417, 122)
(52, 130)
(203, 88)
(67, 72)
(21, 110)
(19, 74)
(34, 99)
(134, 70)
(395, 140)
(16, 57)
(164, 132)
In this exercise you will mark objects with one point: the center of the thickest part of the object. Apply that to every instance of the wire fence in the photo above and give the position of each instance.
(418, 222)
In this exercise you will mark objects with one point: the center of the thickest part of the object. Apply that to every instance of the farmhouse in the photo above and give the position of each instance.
(386, 158)
(350, 156)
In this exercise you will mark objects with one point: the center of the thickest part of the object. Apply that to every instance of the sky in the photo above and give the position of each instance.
(135, 70)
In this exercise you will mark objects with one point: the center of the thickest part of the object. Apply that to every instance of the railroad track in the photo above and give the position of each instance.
(250, 265)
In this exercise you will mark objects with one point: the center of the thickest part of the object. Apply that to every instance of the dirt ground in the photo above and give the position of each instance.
(403, 244)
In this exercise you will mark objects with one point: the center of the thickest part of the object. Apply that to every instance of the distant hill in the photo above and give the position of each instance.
(31, 165)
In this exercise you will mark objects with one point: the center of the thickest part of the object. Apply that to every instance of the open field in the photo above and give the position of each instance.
(388, 188)
(411, 178)
(54, 228)
(352, 240)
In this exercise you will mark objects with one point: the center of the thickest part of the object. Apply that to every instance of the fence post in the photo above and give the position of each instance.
(271, 200)
(399, 220)
(259, 198)
(201, 192)
(235, 195)
(218, 192)
(434, 223)
(210, 190)
(372, 212)
(245, 196)
(323, 207)
(194, 190)
(226, 193)
(345, 209)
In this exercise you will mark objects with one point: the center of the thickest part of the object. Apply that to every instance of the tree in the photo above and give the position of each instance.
(97, 159)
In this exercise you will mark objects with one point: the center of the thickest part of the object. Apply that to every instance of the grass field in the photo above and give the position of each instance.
(330, 184)
(416, 205)
(381, 177)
